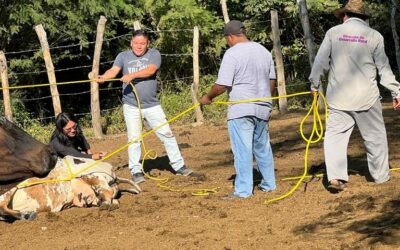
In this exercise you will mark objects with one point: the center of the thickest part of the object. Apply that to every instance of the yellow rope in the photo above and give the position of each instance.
(317, 129)
(309, 140)
(28, 183)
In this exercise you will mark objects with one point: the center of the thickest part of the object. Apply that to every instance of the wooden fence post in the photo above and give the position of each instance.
(305, 23)
(279, 61)
(94, 86)
(225, 11)
(394, 31)
(50, 68)
(196, 75)
(4, 85)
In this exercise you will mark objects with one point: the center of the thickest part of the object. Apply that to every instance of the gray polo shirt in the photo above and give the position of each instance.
(246, 69)
(146, 87)
(353, 53)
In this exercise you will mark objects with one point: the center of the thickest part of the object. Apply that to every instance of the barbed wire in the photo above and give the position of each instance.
(65, 46)
(100, 90)
(59, 70)
(67, 94)
(127, 35)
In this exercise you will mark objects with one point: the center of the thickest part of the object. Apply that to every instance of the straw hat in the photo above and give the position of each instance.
(353, 6)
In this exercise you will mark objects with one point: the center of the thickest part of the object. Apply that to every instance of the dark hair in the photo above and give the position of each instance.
(61, 121)
(351, 14)
(136, 33)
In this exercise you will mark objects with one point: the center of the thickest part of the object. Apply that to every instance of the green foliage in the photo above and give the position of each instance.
(171, 23)
(114, 122)
(40, 132)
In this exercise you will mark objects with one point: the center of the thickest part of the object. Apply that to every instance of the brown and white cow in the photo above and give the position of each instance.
(21, 155)
(97, 186)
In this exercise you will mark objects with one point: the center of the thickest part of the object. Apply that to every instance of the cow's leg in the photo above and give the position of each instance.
(5, 200)
(136, 189)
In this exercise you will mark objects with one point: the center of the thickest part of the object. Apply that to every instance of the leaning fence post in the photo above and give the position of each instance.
(279, 62)
(196, 74)
(50, 68)
(5, 86)
(225, 10)
(94, 86)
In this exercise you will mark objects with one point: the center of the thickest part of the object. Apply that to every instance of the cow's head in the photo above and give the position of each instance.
(21, 155)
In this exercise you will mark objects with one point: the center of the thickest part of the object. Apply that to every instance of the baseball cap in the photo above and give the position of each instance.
(233, 27)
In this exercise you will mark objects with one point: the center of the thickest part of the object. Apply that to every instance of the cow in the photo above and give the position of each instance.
(96, 186)
(21, 155)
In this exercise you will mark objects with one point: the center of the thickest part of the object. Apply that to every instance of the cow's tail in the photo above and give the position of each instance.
(8, 213)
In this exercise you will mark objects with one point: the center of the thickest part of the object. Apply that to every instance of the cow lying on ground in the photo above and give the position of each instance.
(97, 186)
(21, 155)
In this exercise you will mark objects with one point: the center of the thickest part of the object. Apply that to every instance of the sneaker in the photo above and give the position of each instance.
(185, 171)
(233, 197)
(138, 178)
(263, 189)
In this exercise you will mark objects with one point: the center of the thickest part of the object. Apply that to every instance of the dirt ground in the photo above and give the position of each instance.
(365, 216)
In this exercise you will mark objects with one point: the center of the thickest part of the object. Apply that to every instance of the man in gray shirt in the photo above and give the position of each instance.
(139, 66)
(352, 53)
(247, 72)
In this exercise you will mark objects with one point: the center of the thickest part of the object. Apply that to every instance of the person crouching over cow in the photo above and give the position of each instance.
(68, 139)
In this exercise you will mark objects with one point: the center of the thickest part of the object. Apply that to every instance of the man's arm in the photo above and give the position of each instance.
(321, 62)
(385, 72)
(272, 86)
(215, 91)
(144, 73)
(109, 74)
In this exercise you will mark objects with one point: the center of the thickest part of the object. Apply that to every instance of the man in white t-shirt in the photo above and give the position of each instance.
(247, 72)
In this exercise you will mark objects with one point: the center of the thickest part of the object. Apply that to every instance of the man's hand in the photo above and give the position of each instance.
(205, 100)
(127, 78)
(396, 103)
(100, 79)
(314, 94)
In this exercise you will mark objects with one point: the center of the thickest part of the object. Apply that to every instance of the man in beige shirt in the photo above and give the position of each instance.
(353, 53)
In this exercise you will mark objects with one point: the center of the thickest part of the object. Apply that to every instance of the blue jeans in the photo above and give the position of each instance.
(154, 116)
(249, 136)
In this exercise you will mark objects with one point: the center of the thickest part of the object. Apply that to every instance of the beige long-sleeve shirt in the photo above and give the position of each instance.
(353, 53)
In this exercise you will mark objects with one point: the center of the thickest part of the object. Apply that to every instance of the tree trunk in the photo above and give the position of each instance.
(136, 25)
(225, 11)
(305, 23)
(94, 86)
(5, 86)
(280, 70)
(394, 31)
(50, 68)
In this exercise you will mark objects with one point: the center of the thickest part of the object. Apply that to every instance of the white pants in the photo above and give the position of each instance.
(154, 116)
(339, 127)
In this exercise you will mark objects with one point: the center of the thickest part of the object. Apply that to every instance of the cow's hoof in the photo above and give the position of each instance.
(105, 206)
(29, 216)
(108, 206)
(113, 206)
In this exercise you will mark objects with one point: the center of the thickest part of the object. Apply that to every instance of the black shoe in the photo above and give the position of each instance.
(185, 171)
(337, 185)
